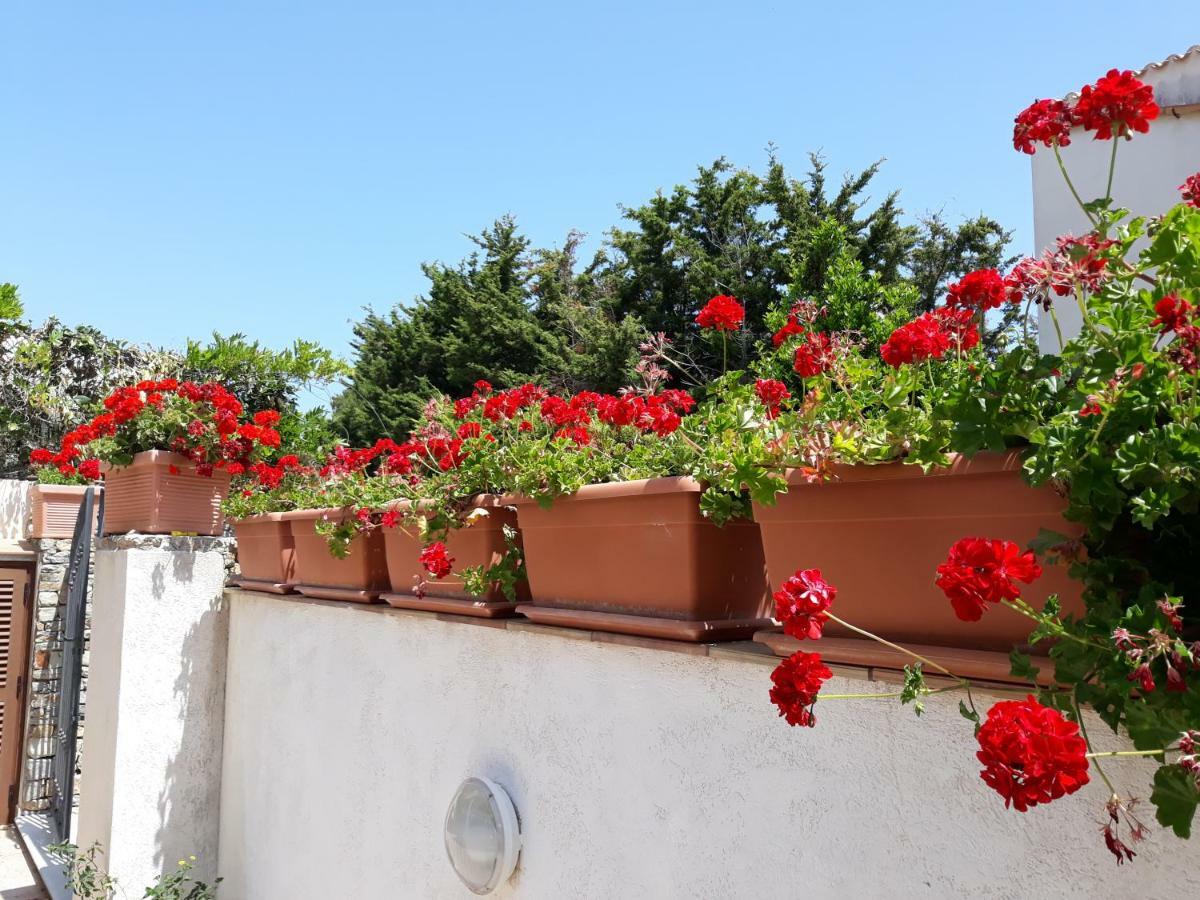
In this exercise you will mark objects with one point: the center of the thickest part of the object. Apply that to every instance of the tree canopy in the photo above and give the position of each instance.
(510, 312)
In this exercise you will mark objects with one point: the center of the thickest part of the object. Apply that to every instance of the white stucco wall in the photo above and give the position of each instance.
(150, 787)
(1150, 168)
(636, 773)
(14, 509)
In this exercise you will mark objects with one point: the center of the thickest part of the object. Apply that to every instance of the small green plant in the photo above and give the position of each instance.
(88, 881)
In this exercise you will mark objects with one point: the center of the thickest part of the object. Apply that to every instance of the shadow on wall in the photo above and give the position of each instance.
(14, 509)
(185, 799)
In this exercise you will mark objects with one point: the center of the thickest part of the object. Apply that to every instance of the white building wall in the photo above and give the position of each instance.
(14, 509)
(1149, 170)
(635, 772)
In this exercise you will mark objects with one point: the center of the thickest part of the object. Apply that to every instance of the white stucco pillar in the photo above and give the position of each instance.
(151, 762)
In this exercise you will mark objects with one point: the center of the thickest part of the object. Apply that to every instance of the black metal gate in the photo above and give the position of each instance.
(66, 758)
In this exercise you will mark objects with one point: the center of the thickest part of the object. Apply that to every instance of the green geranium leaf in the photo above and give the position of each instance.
(914, 688)
(1175, 798)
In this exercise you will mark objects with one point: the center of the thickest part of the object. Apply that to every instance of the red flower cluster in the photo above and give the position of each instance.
(1073, 262)
(1116, 105)
(1031, 754)
(722, 313)
(771, 393)
(1173, 315)
(982, 289)
(931, 336)
(1190, 189)
(814, 355)
(980, 571)
(802, 604)
(790, 329)
(1046, 122)
(436, 561)
(213, 438)
(797, 680)
(269, 477)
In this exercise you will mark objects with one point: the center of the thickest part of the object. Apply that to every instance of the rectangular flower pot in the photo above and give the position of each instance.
(878, 533)
(148, 496)
(266, 554)
(479, 543)
(639, 558)
(55, 508)
(360, 576)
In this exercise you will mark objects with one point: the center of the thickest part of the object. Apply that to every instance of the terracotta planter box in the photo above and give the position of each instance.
(54, 508)
(479, 544)
(266, 554)
(878, 533)
(638, 558)
(144, 496)
(360, 576)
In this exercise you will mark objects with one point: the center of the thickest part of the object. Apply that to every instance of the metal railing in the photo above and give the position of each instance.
(66, 760)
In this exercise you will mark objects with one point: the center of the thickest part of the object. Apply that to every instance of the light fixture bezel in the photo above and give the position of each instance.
(505, 814)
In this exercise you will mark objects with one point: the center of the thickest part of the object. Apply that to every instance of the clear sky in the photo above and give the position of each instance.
(168, 168)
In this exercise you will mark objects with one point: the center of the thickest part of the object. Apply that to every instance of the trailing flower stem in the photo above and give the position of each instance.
(904, 650)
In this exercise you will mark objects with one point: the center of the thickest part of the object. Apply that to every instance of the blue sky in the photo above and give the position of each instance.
(171, 168)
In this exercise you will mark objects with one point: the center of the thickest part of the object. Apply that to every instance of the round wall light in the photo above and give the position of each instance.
(483, 837)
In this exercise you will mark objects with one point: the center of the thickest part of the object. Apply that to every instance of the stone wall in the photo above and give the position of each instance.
(45, 672)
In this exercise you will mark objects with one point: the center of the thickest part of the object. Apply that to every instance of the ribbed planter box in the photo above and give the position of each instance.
(55, 508)
(266, 554)
(360, 576)
(146, 496)
(878, 533)
(480, 543)
(638, 558)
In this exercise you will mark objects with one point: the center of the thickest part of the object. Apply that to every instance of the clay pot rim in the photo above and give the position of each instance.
(70, 490)
(160, 458)
(259, 518)
(322, 512)
(478, 501)
(612, 490)
(986, 462)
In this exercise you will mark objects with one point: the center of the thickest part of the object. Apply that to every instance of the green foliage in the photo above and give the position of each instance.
(914, 688)
(510, 313)
(88, 881)
(53, 377)
(1174, 798)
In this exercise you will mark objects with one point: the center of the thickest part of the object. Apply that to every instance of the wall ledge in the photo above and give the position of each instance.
(750, 652)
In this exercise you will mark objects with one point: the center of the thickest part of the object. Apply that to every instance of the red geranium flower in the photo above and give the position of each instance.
(1116, 105)
(814, 355)
(790, 329)
(266, 417)
(1031, 754)
(90, 469)
(41, 456)
(771, 393)
(916, 341)
(436, 561)
(722, 313)
(982, 289)
(1190, 189)
(1047, 122)
(801, 603)
(980, 571)
(797, 681)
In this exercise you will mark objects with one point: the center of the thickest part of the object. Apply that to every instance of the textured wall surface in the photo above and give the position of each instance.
(14, 509)
(636, 773)
(151, 779)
